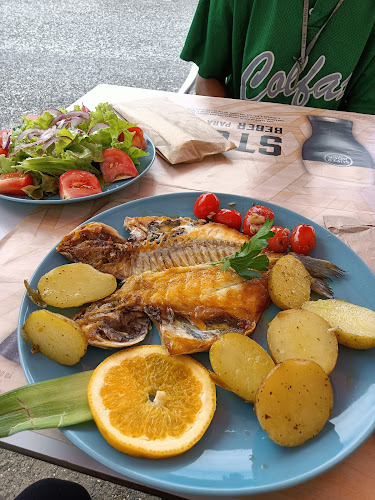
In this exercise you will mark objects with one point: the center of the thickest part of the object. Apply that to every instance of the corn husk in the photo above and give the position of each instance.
(54, 403)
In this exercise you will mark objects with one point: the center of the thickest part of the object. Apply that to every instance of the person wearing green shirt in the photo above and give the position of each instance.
(318, 53)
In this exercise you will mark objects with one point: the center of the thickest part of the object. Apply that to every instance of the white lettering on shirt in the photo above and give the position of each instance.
(260, 67)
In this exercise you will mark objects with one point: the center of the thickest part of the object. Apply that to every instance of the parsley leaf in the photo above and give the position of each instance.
(247, 261)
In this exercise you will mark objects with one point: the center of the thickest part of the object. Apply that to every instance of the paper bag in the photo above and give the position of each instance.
(178, 135)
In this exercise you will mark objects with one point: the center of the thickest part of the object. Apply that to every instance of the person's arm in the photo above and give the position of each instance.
(210, 87)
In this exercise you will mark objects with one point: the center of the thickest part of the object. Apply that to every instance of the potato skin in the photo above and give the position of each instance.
(289, 283)
(354, 325)
(294, 402)
(240, 364)
(73, 285)
(57, 337)
(301, 334)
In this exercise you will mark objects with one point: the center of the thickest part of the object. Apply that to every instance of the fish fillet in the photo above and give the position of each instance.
(190, 306)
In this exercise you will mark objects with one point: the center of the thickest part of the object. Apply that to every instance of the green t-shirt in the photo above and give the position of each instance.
(250, 45)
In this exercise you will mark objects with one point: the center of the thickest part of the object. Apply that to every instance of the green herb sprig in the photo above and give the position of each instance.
(247, 262)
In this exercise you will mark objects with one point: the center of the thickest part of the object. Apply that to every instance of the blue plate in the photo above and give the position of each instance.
(145, 163)
(235, 457)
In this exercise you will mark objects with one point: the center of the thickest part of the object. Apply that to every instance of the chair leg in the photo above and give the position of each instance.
(190, 80)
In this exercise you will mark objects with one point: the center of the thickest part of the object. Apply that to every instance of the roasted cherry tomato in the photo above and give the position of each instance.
(229, 217)
(117, 165)
(255, 217)
(77, 183)
(280, 240)
(303, 239)
(206, 206)
(13, 183)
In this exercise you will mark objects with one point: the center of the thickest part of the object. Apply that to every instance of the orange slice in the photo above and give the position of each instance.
(149, 404)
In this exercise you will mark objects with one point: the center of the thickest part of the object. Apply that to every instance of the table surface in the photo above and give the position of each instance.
(281, 179)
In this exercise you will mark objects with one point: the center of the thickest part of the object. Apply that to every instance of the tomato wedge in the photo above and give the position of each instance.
(78, 183)
(117, 165)
(138, 139)
(14, 182)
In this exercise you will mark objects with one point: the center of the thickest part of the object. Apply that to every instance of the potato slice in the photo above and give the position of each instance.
(240, 364)
(354, 325)
(300, 334)
(294, 402)
(73, 285)
(57, 337)
(289, 283)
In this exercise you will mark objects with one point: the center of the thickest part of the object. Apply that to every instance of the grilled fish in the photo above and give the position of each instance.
(154, 244)
(190, 307)
(158, 243)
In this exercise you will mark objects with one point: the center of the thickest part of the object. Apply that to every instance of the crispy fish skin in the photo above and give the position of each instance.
(154, 244)
(190, 306)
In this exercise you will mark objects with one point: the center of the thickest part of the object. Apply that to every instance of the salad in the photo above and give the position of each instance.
(73, 153)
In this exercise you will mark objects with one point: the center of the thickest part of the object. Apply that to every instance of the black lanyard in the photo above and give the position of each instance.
(304, 57)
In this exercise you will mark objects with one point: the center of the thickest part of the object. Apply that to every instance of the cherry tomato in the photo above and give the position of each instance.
(255, 217)
(229, 217)
(85, 108)
(280, 240)
(206, 206)
(117, 165)
(77, 183)
(13, 183)
(303, 239)
(3, 151)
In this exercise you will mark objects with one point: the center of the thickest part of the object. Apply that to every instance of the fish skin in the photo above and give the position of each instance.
(190, 306)
(154, 244)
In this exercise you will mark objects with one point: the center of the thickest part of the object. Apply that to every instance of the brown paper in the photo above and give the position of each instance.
(360, 237)
(178, 135)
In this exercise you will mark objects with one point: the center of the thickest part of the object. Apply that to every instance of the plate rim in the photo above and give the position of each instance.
(202, 490)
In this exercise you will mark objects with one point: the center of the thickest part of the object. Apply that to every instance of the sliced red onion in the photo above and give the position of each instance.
(53, 140)
(76, 121)
(69, 114)
(40, 141)
(48, 132)
(30, 132)
(96, 127)
(6, 139)
(52, 111)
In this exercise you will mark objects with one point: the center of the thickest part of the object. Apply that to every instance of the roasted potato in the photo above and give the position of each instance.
(294, 402)
(300, 334)
(354, 325)
(57, 337)
(73, 285)
(240, 364)
(289, 283)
